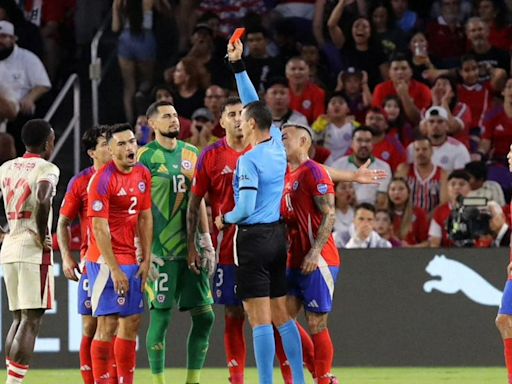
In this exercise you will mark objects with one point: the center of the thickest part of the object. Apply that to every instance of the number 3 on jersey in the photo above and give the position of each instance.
(132, 210)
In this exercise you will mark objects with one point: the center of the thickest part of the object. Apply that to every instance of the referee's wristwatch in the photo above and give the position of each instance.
(223, 220)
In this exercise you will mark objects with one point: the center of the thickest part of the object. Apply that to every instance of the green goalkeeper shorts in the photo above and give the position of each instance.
(176, 284)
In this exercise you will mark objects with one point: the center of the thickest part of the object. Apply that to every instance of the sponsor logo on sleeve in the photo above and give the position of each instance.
(97, 206)
(322, 188)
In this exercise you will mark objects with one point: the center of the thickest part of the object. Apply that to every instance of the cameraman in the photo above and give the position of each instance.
(500, 230)
(458, 185)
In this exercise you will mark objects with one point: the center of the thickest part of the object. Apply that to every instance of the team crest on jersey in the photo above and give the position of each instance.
(306, 104)
(218, 292)
(160, 298)
(186, 164)
(322, 188)
(142, 186)
(97, 206)
(121, 300)
(87, 304)
(385, 155)
(295, 185)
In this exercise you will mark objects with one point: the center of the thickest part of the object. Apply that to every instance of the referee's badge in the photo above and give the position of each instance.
(322, 188)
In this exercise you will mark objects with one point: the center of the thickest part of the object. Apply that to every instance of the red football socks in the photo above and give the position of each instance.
(324, 353)
(112, 367)
(508, 358)
(308, 349)
(86, 360)
(125, 359)
(234, 342)
(100, 353)
(286, 370)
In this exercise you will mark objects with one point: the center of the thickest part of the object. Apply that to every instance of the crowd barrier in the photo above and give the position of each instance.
(405, 307)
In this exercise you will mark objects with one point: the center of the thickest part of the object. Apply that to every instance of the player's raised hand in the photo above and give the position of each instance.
(310, 263)
(70, 268)
(143, 273)
(121, 284)
(369, 176)
(235, 51)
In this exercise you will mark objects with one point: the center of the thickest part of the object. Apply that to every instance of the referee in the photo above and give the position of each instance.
(260, 240)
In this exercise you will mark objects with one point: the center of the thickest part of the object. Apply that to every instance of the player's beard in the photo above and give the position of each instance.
(171, 134)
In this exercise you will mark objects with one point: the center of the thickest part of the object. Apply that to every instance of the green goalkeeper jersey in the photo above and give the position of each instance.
(171, 181)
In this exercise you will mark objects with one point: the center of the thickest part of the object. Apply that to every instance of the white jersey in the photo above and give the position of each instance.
(18, 183)
(450, 155)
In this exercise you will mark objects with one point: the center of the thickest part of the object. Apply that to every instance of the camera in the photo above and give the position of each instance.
(468, 221)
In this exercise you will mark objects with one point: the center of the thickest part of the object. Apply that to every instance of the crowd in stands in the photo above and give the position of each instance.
(421, 88)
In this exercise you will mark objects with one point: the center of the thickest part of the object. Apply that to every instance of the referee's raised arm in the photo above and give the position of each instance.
(260, 240)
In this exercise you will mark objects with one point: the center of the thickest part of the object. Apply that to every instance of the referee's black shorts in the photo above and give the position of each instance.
(261, 253)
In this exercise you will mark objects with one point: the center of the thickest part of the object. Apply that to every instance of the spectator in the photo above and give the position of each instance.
(364, 235)
(334, 130)
(202, 129)
(397, 123)
(494, 13)
(410, 222)
(444, 94)
(190, 80)
(465, 9)
(353, 84)
(305, 97)
(8, 106)
(487, 56)
(480, 186)
(260, 65)
(28, 35)
(406, 19)
(214, 100)
(7, 147)
(414, 96)
(420, 60)
(386, 34)
(427, 181)
(386, 147)
(358, 51)
(362, 149)
(277, 97)
(500, 230)
(458, 185)
(143, 132)
(449, 153)
(384, 227)
(446, 35)
(24, 76)
(497, 125)
(318, 71)
(345, 202)
(136, 48)
(163, 92)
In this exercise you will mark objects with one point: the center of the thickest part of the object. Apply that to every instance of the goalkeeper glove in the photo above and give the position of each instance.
(153, 268)
(206, 252)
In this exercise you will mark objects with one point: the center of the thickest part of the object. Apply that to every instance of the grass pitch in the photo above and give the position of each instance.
(345, 375)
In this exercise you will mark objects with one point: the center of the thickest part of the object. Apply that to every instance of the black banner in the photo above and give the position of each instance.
(405, 307)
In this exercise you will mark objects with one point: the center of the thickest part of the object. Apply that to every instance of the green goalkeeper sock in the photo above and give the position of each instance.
(155, 342)
(202, 323)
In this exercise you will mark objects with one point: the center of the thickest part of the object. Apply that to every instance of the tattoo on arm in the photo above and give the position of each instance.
(325, 204)
(192, 216)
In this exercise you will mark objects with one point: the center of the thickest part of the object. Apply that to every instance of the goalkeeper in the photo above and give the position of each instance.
(172, 163)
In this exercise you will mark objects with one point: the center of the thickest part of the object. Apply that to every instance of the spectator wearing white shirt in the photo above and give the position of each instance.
(364, 235)
(345, 201)
(480, 186)
(362, 147)
(449, 153)
(24, 75)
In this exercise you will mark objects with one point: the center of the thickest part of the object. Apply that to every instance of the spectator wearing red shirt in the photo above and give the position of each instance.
(305, 96)
(386, 147)
(414, 96)
(445, 35)
(410, 223)
(458, 185)
(444, 94)
(497, 124)
(398, 125)
(494, 13)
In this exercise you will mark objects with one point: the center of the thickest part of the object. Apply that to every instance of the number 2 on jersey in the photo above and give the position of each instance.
(132, 210)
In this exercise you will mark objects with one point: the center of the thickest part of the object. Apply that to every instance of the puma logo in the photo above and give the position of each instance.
(456, 276)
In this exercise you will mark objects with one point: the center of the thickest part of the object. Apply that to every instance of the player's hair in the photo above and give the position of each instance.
(91, 136)
(259, 111)
(232, 100)
(367, 206)
(153, 108)
(477, 169)
(362, 128)
(459, 174)
(35, 133)
(113, 129)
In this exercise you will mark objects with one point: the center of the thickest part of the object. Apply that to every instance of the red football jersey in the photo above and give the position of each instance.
(477, 97)
(214, 175)
(441, 215)
(75, 203)
(118, 197)
(498, 129)
(391, 151)
(419, 226)
(303, 217)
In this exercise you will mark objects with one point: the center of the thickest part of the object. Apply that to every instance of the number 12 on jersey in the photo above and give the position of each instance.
(178, 184)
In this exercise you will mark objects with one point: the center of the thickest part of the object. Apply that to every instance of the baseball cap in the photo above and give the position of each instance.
(6, 28)
(436, 111)
(351, 71)
(298, 124)
(202, 113)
